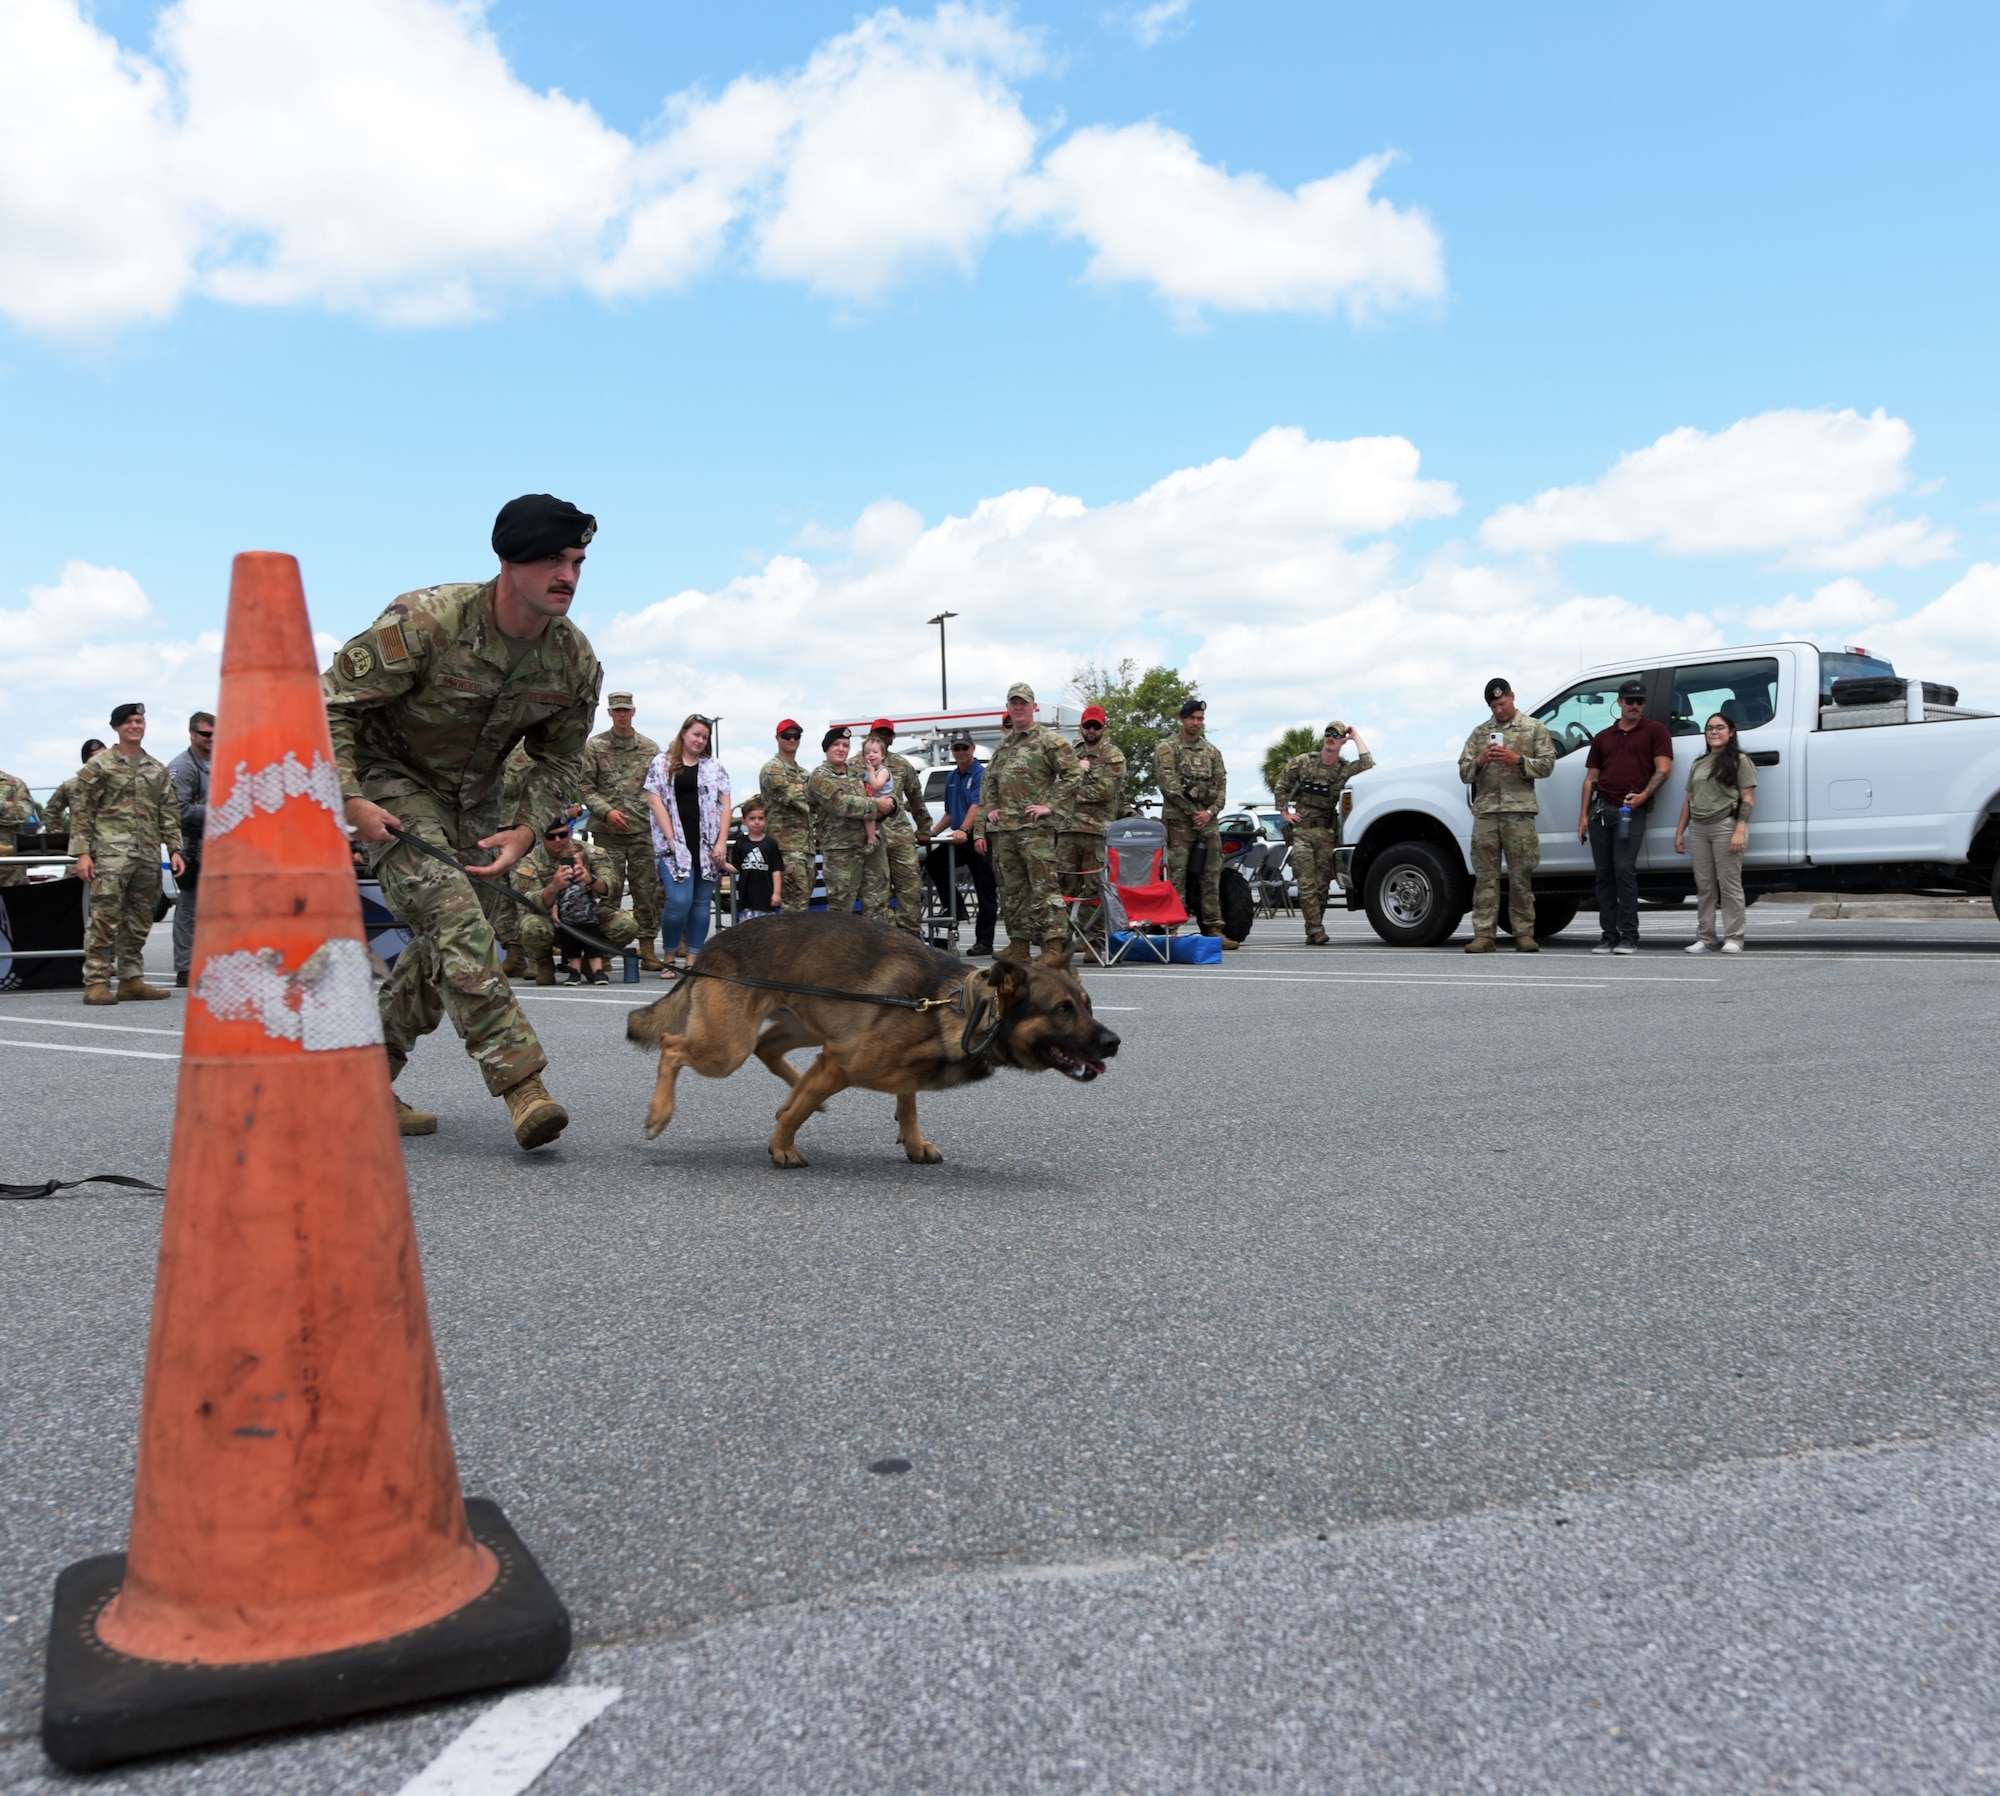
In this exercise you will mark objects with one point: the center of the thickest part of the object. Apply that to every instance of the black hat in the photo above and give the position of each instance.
(836, 734)
(1495, 687)
(1632, 689)
(557, 826)
(961, 740)
(120, 712)
(1189, 706)
(538, 525)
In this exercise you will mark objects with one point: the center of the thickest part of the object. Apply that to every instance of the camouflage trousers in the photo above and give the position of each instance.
(902, 876)
(1024, 865)
(1312, 861)
(1080, 865)
(1516, 835)
(1181, 838)
(618, 927)
(630, 867)
(123, 898)
(797, 848)
(11, 876)
(859, 871)
(451, 968)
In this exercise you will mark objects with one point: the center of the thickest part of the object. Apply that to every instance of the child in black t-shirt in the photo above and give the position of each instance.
(759, 866)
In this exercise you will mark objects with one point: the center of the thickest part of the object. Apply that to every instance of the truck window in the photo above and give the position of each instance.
(1581, 712)
(1745, 692)
(1849, 664)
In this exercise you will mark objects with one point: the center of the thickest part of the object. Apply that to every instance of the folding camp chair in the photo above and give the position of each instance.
(1274, 879)
(1136, 892)
(1081, 910)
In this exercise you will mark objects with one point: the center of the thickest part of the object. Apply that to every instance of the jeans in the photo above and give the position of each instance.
(1617, 871)
(689, 904)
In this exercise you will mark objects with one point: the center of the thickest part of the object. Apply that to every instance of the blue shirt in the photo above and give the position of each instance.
(961, 792)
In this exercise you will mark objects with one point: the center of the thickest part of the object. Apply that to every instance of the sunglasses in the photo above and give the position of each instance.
(202, 735)
(707, 723)
(1631, 701)
(790, 735)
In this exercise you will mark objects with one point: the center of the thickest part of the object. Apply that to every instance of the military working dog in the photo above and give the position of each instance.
(972, 1020)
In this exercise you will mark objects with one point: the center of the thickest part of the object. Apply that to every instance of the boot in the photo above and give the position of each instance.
(414, 1122)
(649, 962)
(1526, 944)
(1318, 938)
(1481, 944)
(99, 994)
(538, 1119)
(979, 951)
(1013, 951)
(1230, 942)
(545, 969)
(181, 979)
(129, 989)
(515, 966)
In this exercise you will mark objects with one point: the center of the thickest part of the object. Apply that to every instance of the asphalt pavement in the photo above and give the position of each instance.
(1401, 1371)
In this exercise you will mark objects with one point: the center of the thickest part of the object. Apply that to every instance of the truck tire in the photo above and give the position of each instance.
(1239, 908)
(1996, 891)
(1415, 896)
(1554, 915)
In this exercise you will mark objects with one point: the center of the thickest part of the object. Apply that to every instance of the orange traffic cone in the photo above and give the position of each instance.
(300, 1549)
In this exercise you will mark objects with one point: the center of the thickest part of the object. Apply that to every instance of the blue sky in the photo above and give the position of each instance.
(1600, 226)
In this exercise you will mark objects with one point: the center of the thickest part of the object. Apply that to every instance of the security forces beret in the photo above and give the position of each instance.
(556, 826)
(1336, 728)
(120, 712)
(1495, 687)
(1189, 706)
(832, 736)
(1021, 689)
(619, 701)
(538, 525)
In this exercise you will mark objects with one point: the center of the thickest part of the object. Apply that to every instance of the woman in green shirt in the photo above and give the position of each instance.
(1715, 820)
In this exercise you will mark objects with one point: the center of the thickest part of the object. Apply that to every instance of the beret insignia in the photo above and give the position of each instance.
(356, 662)
(394, 649)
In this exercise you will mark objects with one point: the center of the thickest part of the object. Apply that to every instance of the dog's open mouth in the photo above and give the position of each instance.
(1072, 1065)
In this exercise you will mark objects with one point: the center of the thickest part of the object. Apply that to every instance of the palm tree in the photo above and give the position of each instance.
(1301, 740)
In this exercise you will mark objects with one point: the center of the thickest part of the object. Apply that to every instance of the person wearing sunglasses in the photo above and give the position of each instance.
(1715, 818)
(788, 818)
(189, 772)
(1082, 814)
(1627, 764)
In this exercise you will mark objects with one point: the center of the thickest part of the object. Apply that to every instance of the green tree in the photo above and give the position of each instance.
(1297, 741)
(1140, 710)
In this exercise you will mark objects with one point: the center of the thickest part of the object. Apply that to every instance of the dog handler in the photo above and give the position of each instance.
(425, 706)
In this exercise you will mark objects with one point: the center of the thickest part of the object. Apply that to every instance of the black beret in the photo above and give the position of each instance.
(1495, 687)
(538, 525)
(556, 826)
(836, 734)
(120, 712)
(1189, 706)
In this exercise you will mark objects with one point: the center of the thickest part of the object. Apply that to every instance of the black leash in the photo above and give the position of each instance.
(49, 1187)
(504, 889)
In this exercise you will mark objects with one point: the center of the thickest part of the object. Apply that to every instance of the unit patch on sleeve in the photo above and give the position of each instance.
(356, 662)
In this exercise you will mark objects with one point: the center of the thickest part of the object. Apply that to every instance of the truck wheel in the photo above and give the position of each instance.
(1996, 891)
(1553, 916)
(1239, 908)
(1415, 896)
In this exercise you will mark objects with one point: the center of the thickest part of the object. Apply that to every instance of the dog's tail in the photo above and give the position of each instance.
(643, 1028)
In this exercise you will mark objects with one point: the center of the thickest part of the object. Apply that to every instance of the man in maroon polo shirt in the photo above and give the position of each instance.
(1627, 764)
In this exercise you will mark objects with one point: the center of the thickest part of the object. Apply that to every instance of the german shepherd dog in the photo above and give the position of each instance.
(1011, 1014)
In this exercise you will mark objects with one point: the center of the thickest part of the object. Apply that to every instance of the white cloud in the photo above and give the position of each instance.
(1955, 639)
(1162, 19)
(1829, 617)
(1809, 486)
(382, 157)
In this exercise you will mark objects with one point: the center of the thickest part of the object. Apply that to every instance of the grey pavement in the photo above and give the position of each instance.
(1624, 1352)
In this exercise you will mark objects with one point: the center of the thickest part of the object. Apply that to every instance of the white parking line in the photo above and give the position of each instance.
(70, 1047)
(53, 1022)
(1557, 980)
(513, 1743)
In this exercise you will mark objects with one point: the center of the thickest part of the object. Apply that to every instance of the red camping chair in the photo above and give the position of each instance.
(1136, 892)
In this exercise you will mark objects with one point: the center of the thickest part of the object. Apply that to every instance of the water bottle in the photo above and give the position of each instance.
(631, 966)
(1625, 822)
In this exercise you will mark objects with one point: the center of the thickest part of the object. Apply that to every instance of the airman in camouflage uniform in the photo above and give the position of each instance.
(124, 811)
(16, 807)
(842, 811)
(425, 706)
(788, 815)
(614, 787)
(535, 877)
(1502, 776)
(1088, 806)
(1032, 774)
(898, 833)
(1193, 784)
(506, 919)
(1308, 792)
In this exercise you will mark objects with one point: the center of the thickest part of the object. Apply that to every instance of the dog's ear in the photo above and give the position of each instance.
(1058, 962)
(1008, 982)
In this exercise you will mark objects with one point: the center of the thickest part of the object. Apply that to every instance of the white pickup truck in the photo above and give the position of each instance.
(1865, 783)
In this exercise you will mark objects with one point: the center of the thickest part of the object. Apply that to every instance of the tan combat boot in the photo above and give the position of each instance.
(414, 1122)
(1316, 936)
(1526, 944)
(545, 969)
(1013, 951)
(1229, 941)
(515, 966)
(538, 1119)
(1481, 944)
(131, 989)
(99, 994)
(649, 962)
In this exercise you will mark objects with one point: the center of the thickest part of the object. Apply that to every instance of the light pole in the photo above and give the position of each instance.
(944, 689)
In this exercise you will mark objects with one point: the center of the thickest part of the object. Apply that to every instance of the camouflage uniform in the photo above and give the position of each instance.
(425, 706)
(896, 834)
(56, 807)
(1031, 766)
(506, 918)
(841, 810)
(16, 807)
(1310, 787)
(614, 779)
(532, 876)
(1192, 778)
(788, 821)
(124, 809)
(1089, 805)
(1504, 809)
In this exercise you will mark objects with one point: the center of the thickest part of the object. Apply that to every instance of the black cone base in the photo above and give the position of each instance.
(101, 1707)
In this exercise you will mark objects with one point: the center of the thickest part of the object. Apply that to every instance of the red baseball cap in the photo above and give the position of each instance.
(884, 725)
(1095, 714)
(788, 723)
